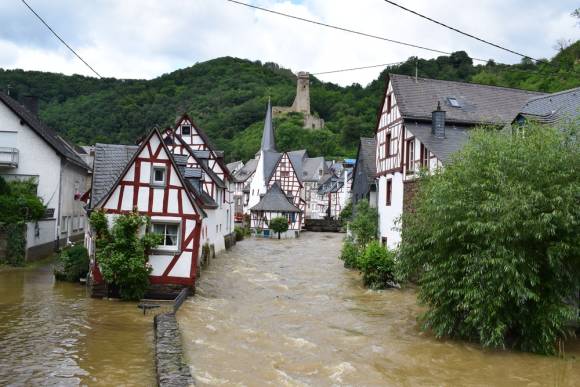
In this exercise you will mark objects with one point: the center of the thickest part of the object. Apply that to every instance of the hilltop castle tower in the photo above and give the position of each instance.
(302, 103)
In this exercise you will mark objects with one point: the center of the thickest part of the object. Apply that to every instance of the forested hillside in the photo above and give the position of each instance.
(227, 98)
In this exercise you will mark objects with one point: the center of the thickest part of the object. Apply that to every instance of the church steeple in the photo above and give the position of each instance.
(268, 141)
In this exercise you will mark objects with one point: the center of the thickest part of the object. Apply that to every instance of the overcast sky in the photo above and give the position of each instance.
(146, 38)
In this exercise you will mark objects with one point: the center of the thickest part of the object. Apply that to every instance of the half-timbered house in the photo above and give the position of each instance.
(421, 123)
(216, 184)
(275, 203)
(148, 180)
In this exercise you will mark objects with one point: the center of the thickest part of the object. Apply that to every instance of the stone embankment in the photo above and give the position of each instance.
(171, 371)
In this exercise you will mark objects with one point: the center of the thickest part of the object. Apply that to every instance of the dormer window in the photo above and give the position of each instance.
(158, 176)
(186, 130)
(453, 102)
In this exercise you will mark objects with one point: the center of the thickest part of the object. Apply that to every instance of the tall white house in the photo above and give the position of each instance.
(422, 122)
(30, 150)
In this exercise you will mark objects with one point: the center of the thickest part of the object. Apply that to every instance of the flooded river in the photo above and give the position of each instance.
(281, 313)
(53, 334)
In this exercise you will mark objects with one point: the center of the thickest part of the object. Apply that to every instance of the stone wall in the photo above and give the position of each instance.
(323, 225)
(170, 368)
(409, 192)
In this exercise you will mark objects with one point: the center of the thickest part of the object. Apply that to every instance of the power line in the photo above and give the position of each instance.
(59, 38)
(357, 68)
(461, 32)
(346, 29)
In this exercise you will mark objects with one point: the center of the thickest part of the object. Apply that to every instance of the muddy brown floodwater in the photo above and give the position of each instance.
(286, 312)
(53, 334)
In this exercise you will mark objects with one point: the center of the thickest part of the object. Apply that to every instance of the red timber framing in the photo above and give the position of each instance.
(167, 203)
(389, 135)
(287, 178)
(260, 219)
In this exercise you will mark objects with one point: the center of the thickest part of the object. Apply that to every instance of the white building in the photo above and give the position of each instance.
(29, 150)
(422, 123)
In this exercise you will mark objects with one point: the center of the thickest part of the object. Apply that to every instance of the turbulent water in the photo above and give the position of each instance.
(53, 334)
(286, 312)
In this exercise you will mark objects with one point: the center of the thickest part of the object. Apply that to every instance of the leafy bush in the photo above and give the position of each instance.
(19, 203)
(73, 264)
(494, 240)
(15, 243)
(350, 254)
(346, 213)
(279, 225)
(377, 265)
(241, 232)
(365, 225)
(122, 255)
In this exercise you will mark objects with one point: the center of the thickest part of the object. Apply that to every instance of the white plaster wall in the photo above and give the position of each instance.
(258, 183)
(36, 157)
(388, 215)
(47, 230)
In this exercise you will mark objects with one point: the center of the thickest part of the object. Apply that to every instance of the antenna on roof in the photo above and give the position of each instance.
(8, 86)
(416, 69)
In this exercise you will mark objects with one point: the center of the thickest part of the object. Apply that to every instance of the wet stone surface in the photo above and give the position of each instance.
(171, 372)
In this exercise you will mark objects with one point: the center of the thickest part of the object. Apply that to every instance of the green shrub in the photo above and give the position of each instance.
(350, 253)
(241, 232)
(123, 255)
(73, 264)
(15, 243)
(377, 265)
(279, 225)
(365, 225)
(494, 240)
(346, 213)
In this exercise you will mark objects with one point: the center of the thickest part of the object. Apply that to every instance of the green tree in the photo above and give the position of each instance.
(494, 240)
(364, 226)
(279, 224)
(122, 253)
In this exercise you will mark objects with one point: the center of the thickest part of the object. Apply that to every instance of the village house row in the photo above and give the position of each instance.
(194, 199)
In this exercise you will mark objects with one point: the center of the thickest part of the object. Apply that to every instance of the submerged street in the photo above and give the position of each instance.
(286, 312)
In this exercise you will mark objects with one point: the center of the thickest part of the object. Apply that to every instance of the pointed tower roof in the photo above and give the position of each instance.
(268, 141)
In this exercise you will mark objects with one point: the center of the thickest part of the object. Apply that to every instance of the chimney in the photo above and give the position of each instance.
(438, 122)
(31, 103)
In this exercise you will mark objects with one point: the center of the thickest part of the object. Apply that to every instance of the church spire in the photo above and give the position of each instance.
(268, 142)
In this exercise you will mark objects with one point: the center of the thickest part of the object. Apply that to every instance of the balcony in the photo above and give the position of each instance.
(8, 157)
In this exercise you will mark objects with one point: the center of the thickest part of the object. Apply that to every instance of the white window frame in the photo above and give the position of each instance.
(154, 182)
(164, 247)
(186, 126)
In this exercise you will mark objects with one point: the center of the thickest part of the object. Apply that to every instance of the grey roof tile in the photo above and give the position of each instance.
(479, 103)
(275, 200)
(554, 107)
(110, 161)
(455, 138)
(246, 171)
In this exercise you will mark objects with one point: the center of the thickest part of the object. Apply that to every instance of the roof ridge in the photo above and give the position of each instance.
(539, 93)
(549, 95)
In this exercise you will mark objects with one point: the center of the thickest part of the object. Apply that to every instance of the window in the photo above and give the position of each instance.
(424, 156)
(186, 130)
(285, 174)
(389, 191)
(170, 233)
(388, 145)
(411, 155)
(389, 103)
(453, 102)
(158, 176)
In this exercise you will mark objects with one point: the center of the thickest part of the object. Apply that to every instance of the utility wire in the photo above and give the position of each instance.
(461, 32)
(357, 68)
(59, 38)
(346, 29)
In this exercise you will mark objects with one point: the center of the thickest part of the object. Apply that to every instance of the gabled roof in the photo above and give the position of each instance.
(297, 159)
(310, 168)
(47, 134)
(455, 138)
(276, 201)
(554, 107)
(202, 164)
(246, 171)
(144, 142)
(270, 161)
(366, 157)
(235, 166)
(479, 104)
(110, 161)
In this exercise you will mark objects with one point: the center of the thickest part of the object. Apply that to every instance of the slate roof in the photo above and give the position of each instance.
(276, 201)
(202, 198)
(270, 162)
(233, 166)
(47, 134)
(367, 154)
(249, 168)
(310, 168)
(268, 141)
(554, 107)
(479, 103)
(455, 138)
(110, 161)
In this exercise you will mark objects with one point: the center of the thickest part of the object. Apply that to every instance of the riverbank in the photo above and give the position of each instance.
(287, 312)
(30, 265)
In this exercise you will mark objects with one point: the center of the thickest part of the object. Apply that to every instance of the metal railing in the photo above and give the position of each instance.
(9, 156)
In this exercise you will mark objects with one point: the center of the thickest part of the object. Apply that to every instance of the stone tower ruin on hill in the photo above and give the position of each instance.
(302, 103)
